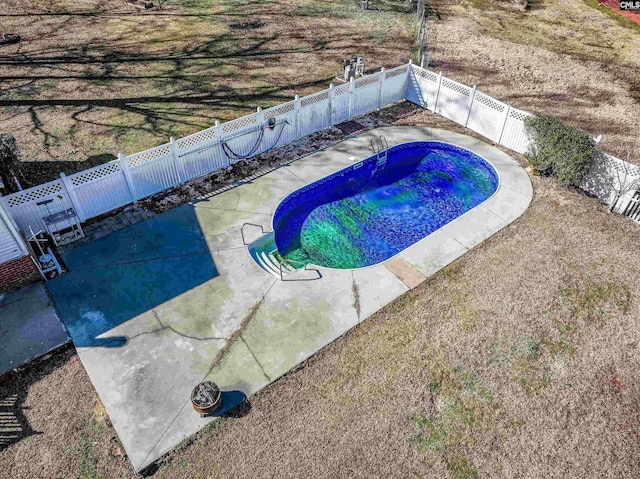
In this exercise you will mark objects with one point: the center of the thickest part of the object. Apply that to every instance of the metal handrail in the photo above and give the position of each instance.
(292, 262)
(374, 147)
(250, 224)
(383, 143)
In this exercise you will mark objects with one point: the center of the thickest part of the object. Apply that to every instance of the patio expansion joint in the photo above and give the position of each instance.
(140, 261)
(496, 215)
(454, 239)
(356, 295)
(217, 360)
(34, 297)
(237, 334)
(286, 168)
(164, 327)
(255, 358)
(232, 211)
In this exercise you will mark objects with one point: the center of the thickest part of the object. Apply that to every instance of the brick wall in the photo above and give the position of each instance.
(17, 273)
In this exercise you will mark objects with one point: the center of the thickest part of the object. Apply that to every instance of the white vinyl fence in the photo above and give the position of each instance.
(504, 124)
(468, 107)
(106, 187)
(129, 178)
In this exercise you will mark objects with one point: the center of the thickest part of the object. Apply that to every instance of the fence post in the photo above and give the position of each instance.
(352, 89)
(332, 95)
(220, 138)
(435, 103)
(173, 146)
(504, 123)
(124, 166)
(472, 96)
(296, 116)
(260, 123)
(408, 77)
(68, 188)
(383, 75)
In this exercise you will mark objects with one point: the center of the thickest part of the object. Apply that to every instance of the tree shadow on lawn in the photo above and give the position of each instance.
(177, 88)
(129, 272)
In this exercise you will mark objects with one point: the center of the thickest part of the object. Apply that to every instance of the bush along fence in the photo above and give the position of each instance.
(612, 180)
(98, 190)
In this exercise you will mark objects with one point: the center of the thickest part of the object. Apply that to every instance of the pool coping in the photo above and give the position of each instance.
(291, 320)
(356, 162)
(512, 180)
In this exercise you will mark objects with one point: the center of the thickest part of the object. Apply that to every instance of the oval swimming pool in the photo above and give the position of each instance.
(366, 213)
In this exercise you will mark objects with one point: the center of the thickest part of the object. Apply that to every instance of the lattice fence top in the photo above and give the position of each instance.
(489, 102)
(396, 71)
(239, 124)
(279, 110)
(34, 194)
(455, 86)
(95, 173)
(148, 155)
(368, 80)
(200, 137)
(623, 166)
(341, 89)
(518, 114)
(426, 74)
(313, 99)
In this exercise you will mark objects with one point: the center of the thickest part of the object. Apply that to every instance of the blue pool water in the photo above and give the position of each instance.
(369, 212)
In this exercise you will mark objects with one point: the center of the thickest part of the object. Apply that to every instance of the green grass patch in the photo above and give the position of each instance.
(459, 407)
(90, 435)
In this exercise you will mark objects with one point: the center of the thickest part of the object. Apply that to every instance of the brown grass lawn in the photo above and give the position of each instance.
(96, 77)
(521, 359)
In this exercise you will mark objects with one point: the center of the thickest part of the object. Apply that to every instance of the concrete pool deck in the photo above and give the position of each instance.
(152, 308)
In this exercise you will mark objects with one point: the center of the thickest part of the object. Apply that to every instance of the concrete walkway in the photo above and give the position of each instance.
(153, 308)
(29, 326)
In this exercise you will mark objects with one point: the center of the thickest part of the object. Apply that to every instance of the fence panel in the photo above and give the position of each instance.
(514, 135)
(242, 138)
(153, 170)
(314, 113)
(10, 245)
(100, 189)
(394, 86)
(454, 100)
(632, 208)
(422, 88)
(340, 103)
(487, 116)
(365, 94)
(201, 153)
(284, 126)
(609, 175)
(25, 212)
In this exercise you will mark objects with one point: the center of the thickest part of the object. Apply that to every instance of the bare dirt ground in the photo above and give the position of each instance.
(519, 360)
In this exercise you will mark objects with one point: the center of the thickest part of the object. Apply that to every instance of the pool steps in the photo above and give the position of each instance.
(264, 252)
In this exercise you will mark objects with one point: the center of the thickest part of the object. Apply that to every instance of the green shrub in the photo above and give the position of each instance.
(558, 149)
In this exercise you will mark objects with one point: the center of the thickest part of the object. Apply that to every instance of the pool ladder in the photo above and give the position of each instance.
(380, 148)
